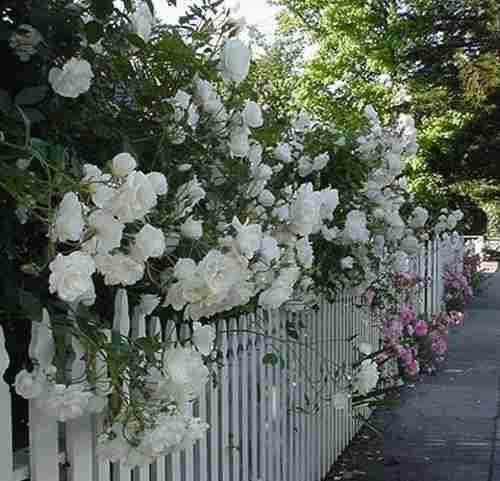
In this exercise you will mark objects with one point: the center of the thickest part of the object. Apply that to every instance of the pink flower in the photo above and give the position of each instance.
(421, 328)
(407, 314)
(413, 368)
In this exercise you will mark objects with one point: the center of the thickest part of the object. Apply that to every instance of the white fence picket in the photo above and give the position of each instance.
(6, 451)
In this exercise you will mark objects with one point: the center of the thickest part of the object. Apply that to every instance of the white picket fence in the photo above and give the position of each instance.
(257, 432)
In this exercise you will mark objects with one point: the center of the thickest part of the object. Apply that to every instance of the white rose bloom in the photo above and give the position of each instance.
(149, 302)
(451, 222)
(419, 217)
(410, 245)
(281, 289)
(365, 348)
(401, 263)
(320, 161)
(73, 79)
(24, 41)
(203, 338)
(186, 375)
(108, 231)
(71, 276)
(192, 229)
(181, 99)
(134, 199)
(65, 402)
(69, 220)
(188, 196)
(235, 61)
(329, 202)
(305, 166)
(218, 283)
(142, 21)
(305, 210)
(159, 182)
(347, 263)
(123, 164)
(367, 377)
(340, 400)
(119, 269)
(355, 227)
(275, 297)
(302, 122)
(305, 253)
(239, 143)
(269, 249)
(283, 152)
(266, 198)
(248, 237)
(252, 115)
(149, 242)
(29, 385)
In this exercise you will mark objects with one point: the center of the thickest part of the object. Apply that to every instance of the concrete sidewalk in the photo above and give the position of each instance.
(448, 428)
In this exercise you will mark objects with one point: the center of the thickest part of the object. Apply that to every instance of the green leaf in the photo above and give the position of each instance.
(30, 304)
(34, 115)
(94, 31)
(102, 8)
(5, 102)
(31, 95)
(135, 40)
(270, 359)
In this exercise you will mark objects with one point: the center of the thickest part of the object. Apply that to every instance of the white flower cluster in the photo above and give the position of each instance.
(73, 79)
(124, 197)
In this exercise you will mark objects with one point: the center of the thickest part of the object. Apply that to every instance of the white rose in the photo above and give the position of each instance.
(347, 263)
(108, 231)
(235, 61)
(305, 253)
(248, 237)
(69, 220)
(192, 229)
(355, 227)
(401, 263)
(123, 164)
(305, 210)
(252, 115)
(29, 385)
(340, 400)
(159, 182)
(73, 79)
(119, 269)
(283, 152)
(305, 166)
(142, 21)
(269, 249)
(275, 297)
(186, 375)
(239, 143)
(24, 41)
(410, 245)
(367, 377)
(134, 199)
(71, 276)
(65, 402)
(149, 242)
(329, 202)
(320, 161)
(203, 338)
(266, 198)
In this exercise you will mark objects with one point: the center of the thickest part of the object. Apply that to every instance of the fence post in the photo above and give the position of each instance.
(6, 453)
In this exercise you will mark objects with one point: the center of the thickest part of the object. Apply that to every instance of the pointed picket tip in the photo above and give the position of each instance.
(42, 347)
(121, 319)
(4, 356)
